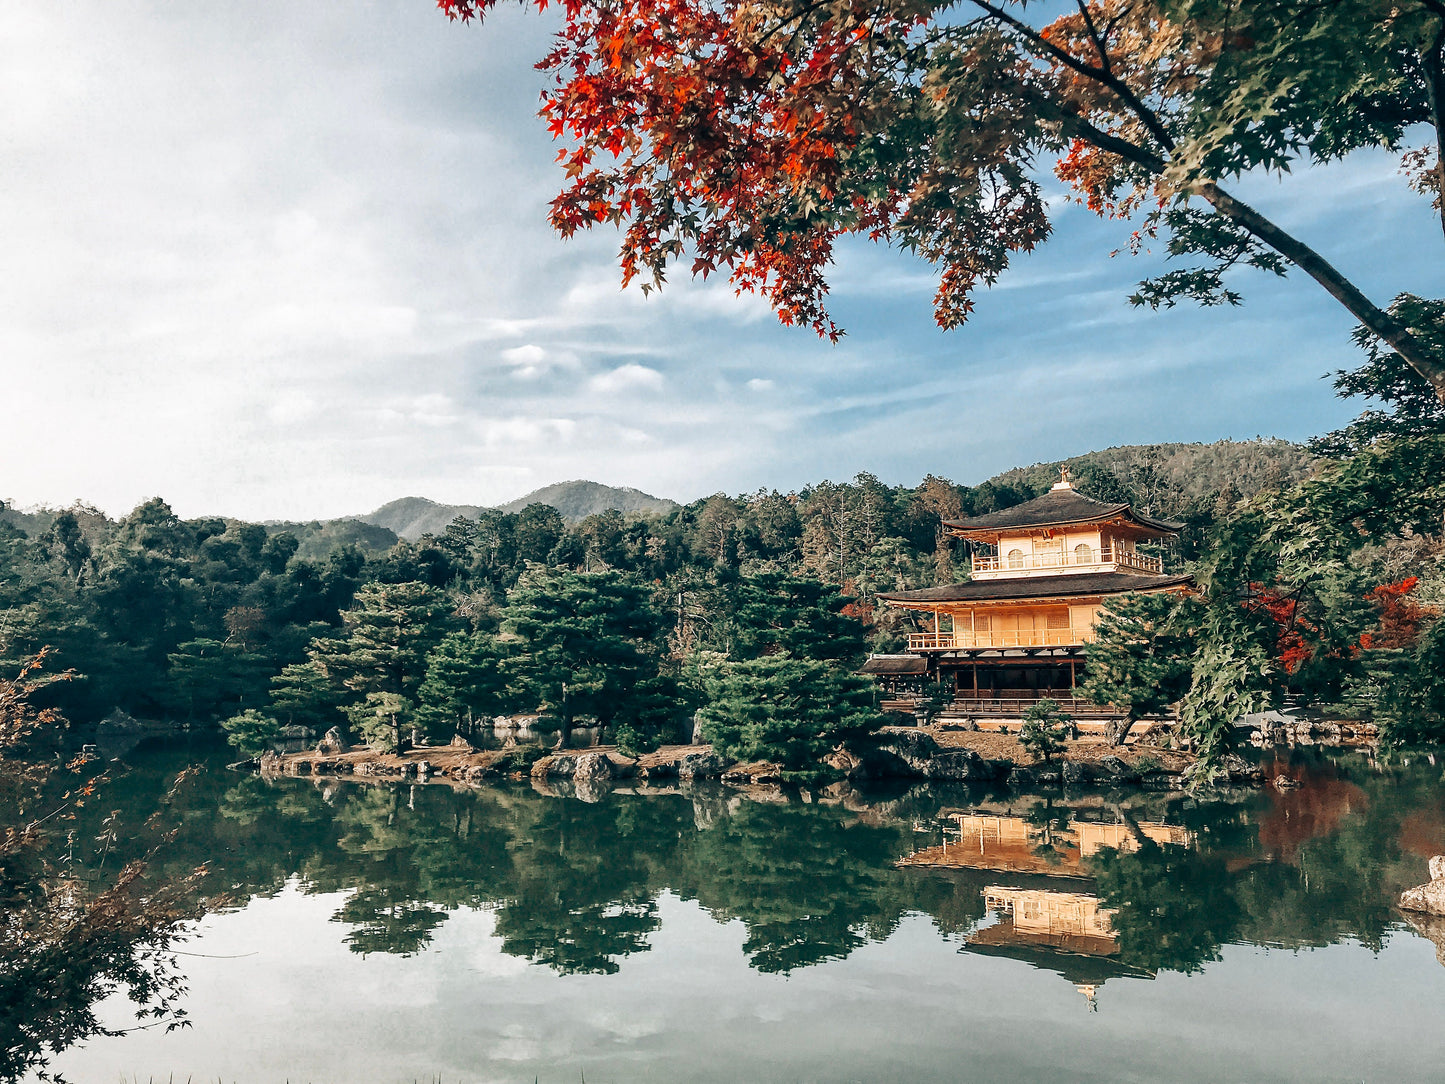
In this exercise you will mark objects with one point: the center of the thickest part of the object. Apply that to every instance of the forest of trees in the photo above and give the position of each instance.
(631, 621)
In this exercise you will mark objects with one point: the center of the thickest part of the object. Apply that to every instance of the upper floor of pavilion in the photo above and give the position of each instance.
(1062, 532)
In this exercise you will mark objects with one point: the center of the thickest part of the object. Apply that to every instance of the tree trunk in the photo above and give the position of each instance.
(1118, 730)
(1433, 61)
(395, 734)
(1376, 319)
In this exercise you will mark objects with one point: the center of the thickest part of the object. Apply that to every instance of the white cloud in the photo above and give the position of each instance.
(758, 383)
(523, 432)
(626, 377)
(292, 407)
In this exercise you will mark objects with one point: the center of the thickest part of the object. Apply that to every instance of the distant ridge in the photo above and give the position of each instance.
(412, 517)
(580, 499)
(1192, 470)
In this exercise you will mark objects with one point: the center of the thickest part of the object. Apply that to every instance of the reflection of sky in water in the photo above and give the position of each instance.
(302, 1007)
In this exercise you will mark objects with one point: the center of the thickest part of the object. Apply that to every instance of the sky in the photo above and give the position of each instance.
(289, 261)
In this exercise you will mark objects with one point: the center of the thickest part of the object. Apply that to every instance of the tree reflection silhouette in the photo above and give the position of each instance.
(575, 885)
(1174, 906)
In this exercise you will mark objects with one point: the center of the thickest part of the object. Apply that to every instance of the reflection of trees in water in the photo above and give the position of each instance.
(574, 885)
(583, 890)
(384, 920)
(1173, 906)
(810, 883)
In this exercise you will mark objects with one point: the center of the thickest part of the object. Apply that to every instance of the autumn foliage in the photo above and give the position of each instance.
(1400, 618)
(1295, 645)
(749, 136)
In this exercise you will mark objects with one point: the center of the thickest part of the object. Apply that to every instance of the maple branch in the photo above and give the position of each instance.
(1309, 261)
(1094, 37)
(1075, 125)
(1089, 71)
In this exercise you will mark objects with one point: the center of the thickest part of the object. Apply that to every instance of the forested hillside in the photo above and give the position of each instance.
(1173, 476)
(195, 619)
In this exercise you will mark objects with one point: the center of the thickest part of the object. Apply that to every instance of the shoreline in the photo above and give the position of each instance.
(935, 754)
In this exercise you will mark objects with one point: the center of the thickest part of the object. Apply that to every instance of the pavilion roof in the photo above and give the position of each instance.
(1067, 585)
(895, 664)
(1061, 506)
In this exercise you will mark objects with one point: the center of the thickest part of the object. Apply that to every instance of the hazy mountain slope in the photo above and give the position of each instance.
(318, 538)
(412, 517)
(580, 499)
(1194, 471)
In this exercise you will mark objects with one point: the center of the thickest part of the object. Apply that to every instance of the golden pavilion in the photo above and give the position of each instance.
(1019, 628)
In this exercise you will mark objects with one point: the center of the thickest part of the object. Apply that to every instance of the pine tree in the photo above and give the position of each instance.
(585, 642)
(1141, 660)
(786, 710)
(465, 682)
(774, 613)
(381, 661)
(303, 695)
(1043, 731)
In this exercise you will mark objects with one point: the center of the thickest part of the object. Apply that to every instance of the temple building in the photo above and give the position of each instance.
(1018, 629)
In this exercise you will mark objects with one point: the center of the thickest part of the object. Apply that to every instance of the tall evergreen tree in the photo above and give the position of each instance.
(585, 641)
(382, 657)
(787, 710)
(1142, 657)
(465, 682)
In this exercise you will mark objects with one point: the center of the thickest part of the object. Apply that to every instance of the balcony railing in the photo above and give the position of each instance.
(947, 641)
(1119, 558)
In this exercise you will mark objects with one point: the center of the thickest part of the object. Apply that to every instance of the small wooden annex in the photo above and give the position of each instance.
(1018, 629)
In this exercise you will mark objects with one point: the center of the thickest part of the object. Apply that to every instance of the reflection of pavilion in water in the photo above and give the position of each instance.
(1018, 845)
(1049, 923)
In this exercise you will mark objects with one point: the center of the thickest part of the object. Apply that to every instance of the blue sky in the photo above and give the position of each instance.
(288, 260)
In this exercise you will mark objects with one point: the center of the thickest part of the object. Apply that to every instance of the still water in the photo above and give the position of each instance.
(400, 933)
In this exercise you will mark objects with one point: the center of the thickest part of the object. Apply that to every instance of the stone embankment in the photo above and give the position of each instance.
(937, 754)
(1282, 728)
(1428, 898)
(1424, 906)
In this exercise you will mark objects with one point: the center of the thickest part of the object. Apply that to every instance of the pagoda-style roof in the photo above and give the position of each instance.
(895, 664)
(1073, 585)
(1062, 506)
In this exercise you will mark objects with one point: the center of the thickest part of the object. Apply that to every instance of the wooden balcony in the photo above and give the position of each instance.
(1102, 560)
(950, 641)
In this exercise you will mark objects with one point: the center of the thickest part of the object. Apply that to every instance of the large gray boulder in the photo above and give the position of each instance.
(906, 753)
(332, 743)
(700, 766)
(1116, 769)
(592, 768)
(1428, 897)
(1077, 773)
(959, 766)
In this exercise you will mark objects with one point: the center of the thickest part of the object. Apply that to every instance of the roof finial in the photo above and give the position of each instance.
(1063, 482)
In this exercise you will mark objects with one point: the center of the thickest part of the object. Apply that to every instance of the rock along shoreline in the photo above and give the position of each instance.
(937, 754)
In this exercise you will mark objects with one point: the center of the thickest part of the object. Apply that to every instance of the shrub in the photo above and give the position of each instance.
(1043, 730)
(251, 732)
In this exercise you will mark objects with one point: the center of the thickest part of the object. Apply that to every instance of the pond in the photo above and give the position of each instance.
(405, 933)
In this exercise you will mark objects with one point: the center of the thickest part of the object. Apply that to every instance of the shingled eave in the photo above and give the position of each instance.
(1055, 509)
(1027, 588)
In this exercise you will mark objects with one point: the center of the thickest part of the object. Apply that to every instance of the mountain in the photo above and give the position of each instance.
(578, 500)
(412, 517)
(319, 537)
